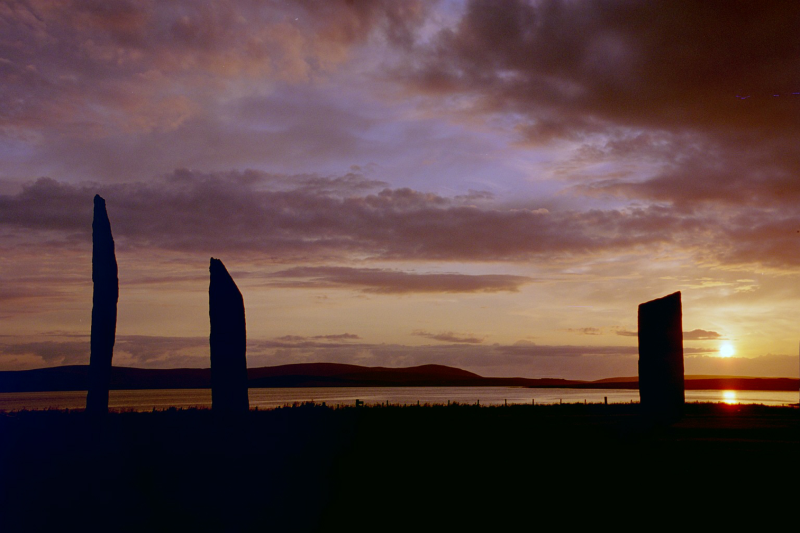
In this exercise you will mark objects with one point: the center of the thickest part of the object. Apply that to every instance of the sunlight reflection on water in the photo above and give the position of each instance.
(729, 397)
(147, 400)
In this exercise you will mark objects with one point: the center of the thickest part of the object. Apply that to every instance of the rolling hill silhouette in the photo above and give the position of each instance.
(75, 378)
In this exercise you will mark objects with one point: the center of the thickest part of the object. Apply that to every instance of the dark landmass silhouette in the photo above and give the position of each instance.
(104, 309)
(703, 383)
(444, 468)
(342, 375)
(228, 342)
(75, 378)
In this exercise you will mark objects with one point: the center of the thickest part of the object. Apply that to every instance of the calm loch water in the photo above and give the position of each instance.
(147, 400)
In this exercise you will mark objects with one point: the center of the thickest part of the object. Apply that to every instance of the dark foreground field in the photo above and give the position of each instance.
(399, 468)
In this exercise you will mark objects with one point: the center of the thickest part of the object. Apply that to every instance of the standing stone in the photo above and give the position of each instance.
(661, 357)
(104, 309)
(228, 341)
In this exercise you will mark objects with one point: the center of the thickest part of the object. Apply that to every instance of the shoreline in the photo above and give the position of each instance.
(161, 399)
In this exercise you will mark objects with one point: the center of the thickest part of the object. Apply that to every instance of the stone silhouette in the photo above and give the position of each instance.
(228, 341)
(661, 387)
(104, 309)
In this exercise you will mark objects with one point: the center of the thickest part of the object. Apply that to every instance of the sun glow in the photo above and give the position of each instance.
(729, 397)
(726, 350)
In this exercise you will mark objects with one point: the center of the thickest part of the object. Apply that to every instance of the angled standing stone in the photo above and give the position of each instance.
(661, 357)
(104, 309)
(228, 341)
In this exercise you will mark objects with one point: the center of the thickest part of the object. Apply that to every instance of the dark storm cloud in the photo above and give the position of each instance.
(311, 217)
(705, 93)
(573, 67)
(449, 336)
(316, 218)
(724, 173)
(383, 281)
(183, 203)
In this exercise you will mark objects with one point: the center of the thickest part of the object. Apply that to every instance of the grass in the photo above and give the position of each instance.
(309, 467)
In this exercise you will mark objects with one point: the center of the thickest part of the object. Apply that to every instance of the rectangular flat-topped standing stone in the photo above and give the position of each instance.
(661, 388)
(104, 309)
(228, 340)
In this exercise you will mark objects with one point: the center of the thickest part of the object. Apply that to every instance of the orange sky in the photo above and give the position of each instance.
(493, 186)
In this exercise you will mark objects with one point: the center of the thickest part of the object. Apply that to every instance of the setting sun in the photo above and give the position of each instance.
(729, 397)
(726, 350)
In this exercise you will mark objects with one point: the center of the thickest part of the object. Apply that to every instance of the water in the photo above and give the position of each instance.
(147, 400)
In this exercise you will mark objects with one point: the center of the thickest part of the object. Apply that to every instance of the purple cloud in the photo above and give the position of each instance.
(701, 335)
(384, 281)
(586, 331)
(449, 336)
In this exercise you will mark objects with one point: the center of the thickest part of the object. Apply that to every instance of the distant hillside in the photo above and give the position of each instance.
(702, 383)
(75, 378)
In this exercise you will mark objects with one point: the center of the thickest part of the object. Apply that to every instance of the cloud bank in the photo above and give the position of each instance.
(701, 335)
(300, 217)
(383, 281)
(449, 336)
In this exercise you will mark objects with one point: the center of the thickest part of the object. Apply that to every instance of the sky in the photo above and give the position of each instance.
(491, 185)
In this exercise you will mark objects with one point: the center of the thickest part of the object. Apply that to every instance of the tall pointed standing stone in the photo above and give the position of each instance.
(228, 341)
(661, 387)
(104, 309)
